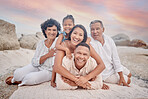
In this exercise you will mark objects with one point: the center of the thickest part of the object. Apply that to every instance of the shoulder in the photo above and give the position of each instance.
(108, 38)
(60, 35)
(92, 61)
(40, 45)
(56, 39)
(66, 62)
(92, 41)
(41, 42)
(65, 43)
(91, 64)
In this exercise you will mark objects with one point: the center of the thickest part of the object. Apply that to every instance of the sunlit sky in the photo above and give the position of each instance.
(119, 16)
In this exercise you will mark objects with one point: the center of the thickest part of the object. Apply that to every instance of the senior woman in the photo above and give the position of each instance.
(40, 69)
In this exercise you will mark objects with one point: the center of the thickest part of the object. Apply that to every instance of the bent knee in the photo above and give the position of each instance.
(18, 74)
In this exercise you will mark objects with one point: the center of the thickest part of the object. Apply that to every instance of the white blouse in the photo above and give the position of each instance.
(40, 51)
(109, 55)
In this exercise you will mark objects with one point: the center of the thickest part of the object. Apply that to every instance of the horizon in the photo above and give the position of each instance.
(118, 16)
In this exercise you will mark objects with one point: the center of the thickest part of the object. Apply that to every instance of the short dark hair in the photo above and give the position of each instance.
(96, 21)
(69, 17)
(83, 44)
(49, 23)
(81, 27)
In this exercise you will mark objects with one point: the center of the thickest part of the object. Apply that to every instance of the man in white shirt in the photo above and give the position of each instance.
(81, 64)
(106, 48)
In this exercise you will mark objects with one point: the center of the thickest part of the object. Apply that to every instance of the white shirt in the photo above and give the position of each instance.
(70, 66)
(40, 51)
(109, 55)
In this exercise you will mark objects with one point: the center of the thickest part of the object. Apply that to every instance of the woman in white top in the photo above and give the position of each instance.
(40, 69)
(77, 34)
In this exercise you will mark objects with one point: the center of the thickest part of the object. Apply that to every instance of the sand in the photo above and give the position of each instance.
(12, 59)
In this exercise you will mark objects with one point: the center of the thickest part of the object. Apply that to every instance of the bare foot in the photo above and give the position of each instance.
(53, 84)
(129, 80)
(129, 75)
(105, 87)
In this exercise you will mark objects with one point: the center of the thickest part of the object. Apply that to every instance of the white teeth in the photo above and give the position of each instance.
(75, 40)
(67, 29)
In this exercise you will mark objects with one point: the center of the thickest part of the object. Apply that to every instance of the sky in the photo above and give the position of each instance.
(118, 16)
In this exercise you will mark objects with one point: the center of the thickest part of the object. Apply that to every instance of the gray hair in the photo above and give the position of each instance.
(96, 21)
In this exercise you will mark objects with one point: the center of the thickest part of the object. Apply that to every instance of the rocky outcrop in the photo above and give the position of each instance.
(121, 40)
(8, 38)
(138, 43)
(30, 41)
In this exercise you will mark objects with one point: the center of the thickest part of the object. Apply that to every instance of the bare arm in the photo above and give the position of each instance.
(63, 48)
(100, 65)
(59, 68)
(53, 78)
(58, 43)
(88, 40)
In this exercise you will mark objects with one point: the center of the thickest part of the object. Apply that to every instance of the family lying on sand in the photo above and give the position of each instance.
(80, 61)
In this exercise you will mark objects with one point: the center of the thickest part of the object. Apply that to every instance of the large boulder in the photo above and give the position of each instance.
(121, 40)
(138, 43)
(30, 41)
(8, 38)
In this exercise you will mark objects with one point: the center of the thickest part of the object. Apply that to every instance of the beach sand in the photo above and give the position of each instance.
(12, 59)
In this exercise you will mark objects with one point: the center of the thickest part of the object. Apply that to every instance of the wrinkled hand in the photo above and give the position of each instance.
(93, 79)
(122, 81)
(68, 53)
(87, 85)
(68, 81)
(81, 80)
(52, 52)
(105, 87)
(53, 84)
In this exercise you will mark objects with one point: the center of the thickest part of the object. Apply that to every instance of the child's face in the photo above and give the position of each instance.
(81, 55)
(68, 25)
(51, 32)
(77, 36)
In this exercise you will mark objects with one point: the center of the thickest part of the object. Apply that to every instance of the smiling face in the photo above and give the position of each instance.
(81, 55)
(96, 30)
(51, 32)
(77, 36)
(68, 25)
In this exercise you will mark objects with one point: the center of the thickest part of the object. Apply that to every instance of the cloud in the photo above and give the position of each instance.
(126, 12)
(117, 15)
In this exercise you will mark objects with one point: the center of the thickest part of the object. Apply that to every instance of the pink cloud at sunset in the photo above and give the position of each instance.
(119, 16)
(128, 14)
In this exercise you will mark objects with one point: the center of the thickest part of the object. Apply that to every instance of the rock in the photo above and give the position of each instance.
(8, 38)
(30, 41)
(138, 43)
(121, 40)
(19, 35)
(40, 35)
